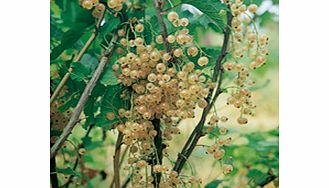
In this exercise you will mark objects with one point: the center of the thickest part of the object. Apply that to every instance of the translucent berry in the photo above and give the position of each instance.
(110, 116)
(171, 38)
(252, 8)
(159, 39)
(192, 51)
(242, 120)
(183, 22)
(139, 28)
(202, 61)
(172, 16)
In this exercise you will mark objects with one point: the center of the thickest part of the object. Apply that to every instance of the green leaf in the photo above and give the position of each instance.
(213, 133)
(111, 23)
(109, 78)
(89, 144)
(55, 133)
(214, 183)
(68, 171)
(72, 12)
(78, 19)
(89, 61)
(211, 8)
(257, 2)
(72, 102)
(80, 71)
(68, 39)
(111, 102)
(257, 176)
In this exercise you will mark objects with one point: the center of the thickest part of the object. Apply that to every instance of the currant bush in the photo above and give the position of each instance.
(166, 79)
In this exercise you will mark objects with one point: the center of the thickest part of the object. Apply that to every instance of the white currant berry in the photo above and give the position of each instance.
(252, 8)
(159, 39)
(202, 61)
(172, 16)
(183, 22)
(178, 52)
(192, 51)
(110, 116)
(87, 4)
(139, 28)
(171, 38)
(242, 120)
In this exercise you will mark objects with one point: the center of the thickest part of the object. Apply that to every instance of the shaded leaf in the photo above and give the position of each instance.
(109, 77)
(111, 102)
(214, 183)
(211, 8)
(68, 171)
(80, 71)
(68, 39)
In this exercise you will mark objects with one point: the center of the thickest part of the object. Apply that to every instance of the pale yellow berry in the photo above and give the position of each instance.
(202, 61)
(139, 41)
(139, 28)
(155, 56)
(111, 3)
(223, 130)
(202, 103)
(82, 151)
(252, 8)
(161, 67)
(166, 56)
(87, 4)
(159, 39)
(110, 116)
(152, 77)
(227, 168)
(219, 154)
(123, 42)
(115, 67)
(183, 22)
(141, 164)
(172, 16)
(171, 38)
(121, 32)
(178, 52)
(223, 119)
(100, 7)
(192, 51)
(242, 120)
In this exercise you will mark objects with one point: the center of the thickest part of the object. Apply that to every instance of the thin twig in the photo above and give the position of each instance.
(159, 148)
(158, 4)
(83, 99)
(197, 132)
(78, 58)
(125, 184)
(121, 162)
(53, 174)
(170, 8)
(116, 161)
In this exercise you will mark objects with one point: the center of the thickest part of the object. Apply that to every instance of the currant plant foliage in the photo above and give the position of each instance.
(155, 78)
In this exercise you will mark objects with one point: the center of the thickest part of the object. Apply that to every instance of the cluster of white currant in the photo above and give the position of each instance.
(161, 89)
(249, 52)
(170, 178)
(115, 5)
